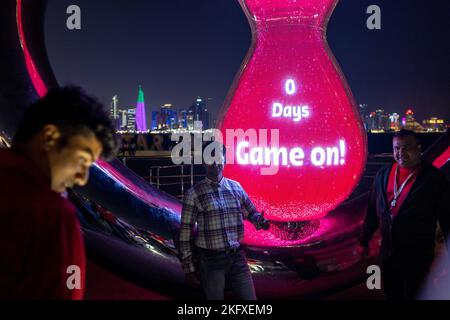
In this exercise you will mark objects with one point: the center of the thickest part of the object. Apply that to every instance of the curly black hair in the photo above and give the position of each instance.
(73, 111)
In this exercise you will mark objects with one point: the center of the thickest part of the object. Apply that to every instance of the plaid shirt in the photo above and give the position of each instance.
(219, 210)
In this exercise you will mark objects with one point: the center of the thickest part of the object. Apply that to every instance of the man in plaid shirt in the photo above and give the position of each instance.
(218, 205)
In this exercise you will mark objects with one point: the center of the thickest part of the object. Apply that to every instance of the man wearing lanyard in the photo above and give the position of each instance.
(407, 201)
(218, 206)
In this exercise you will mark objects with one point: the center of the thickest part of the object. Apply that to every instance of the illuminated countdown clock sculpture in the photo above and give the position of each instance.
(295, 139)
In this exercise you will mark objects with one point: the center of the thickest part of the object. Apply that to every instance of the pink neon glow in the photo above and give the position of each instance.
(290, 44)
(268, 239)
(442, 159)
(331, 227)
(39, 85)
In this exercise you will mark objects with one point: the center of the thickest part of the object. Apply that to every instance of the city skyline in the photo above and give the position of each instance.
(172, 49)
(151, 109)
(379, 121)
(168, 117)
(119, 113)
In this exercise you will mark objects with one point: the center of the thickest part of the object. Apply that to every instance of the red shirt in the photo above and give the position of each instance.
(402, 175)
(40, 236)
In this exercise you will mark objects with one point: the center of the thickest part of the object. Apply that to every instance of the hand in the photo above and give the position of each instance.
(363, 252)
(192, 280)
(263, 223)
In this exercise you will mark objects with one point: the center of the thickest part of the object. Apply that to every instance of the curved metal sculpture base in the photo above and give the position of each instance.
(131, 228)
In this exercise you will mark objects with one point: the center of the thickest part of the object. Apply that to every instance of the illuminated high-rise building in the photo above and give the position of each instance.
(114, 112)
(182, 119)
(173, 120)
(409, 120)
(190, 119)
(382, 120)
(126, 119)
(409, 123)
(155, 119)
(122, 120)
(378, 121)
(434, 125)
(131, 120)
(365, 116)
(167, 117)
(141, 117)
(198, 112)
(394, 122)
(114, 107)
(409, 115)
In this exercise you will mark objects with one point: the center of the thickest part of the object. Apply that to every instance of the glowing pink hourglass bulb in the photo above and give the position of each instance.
(290, 82)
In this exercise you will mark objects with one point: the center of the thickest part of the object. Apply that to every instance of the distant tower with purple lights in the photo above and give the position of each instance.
(141, 117)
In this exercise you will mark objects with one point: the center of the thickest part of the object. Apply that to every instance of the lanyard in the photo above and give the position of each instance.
(397, 190)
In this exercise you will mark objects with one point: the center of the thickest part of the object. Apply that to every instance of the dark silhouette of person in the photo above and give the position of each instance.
(132, 151)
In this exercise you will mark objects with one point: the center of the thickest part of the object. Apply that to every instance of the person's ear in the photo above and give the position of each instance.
(51, 135)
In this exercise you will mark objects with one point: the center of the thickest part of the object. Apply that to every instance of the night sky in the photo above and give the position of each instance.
(180, 49)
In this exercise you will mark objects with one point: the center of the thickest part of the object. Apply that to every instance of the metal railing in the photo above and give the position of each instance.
(156, 174)
(155, 179)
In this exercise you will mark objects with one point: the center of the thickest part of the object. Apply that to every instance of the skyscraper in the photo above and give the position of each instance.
(378, 121)
(198, 112)
(141, 117)
(165, 119)
(122, 120)
(114, 107)
(182, 119)
(394, 122)
(168, 117)
(410, 123)
(190, 119)
(156, 115)
(381, 120)
(114, 112)
(131, 119)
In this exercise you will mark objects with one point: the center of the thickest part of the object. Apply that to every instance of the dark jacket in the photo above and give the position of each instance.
(40, 235)
(413, 231)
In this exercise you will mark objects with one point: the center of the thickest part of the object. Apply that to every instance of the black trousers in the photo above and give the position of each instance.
(404, 276)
